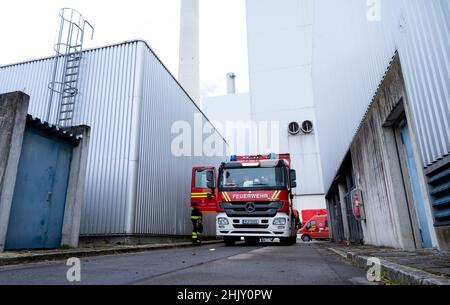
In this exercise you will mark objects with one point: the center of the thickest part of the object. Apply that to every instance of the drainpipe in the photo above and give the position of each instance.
(133, 162)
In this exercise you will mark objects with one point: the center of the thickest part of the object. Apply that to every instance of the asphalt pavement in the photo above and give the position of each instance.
(265, 264)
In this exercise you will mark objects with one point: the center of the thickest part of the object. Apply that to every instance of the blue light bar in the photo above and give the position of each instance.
(233, 158)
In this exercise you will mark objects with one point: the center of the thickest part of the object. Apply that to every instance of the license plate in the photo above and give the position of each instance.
(250, 221)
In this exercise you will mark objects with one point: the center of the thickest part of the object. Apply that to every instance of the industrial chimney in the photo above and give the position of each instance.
(189, 66)
(231, 83)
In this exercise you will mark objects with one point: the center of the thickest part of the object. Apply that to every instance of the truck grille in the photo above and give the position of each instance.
(250, 226)
(251, 209)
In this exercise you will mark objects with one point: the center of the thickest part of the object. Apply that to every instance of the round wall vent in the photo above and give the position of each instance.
(307, 127)
(294, 128)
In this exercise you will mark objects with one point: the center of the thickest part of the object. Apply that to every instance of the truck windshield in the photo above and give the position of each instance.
(246, 178)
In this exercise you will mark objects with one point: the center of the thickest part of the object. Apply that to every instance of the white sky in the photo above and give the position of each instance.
(28, 30)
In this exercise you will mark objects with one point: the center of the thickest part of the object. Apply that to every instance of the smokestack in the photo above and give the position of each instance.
(231, 83)
(189, 74)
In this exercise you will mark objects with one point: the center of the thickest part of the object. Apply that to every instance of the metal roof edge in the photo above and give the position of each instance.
(85, 50)
(182, 88)
(395, 59)
(52, 130)
(124, 43)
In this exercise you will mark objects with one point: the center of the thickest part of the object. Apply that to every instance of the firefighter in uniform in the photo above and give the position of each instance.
(196, 218)
(298, 223)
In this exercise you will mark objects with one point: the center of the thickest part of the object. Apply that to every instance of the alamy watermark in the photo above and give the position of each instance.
(374, 271)
(203, 138)
(74, 272)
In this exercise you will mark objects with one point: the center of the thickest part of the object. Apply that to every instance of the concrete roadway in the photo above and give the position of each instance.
(266, 264)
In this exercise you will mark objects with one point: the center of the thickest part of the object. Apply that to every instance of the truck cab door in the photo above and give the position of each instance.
(203, 197)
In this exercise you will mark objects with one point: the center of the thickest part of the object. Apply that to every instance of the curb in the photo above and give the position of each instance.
(40, 257)
(396, 273)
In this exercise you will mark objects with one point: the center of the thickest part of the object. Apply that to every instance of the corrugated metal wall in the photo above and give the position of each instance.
(351, 55)
(106, 83)
(164, 181)
(111, 90)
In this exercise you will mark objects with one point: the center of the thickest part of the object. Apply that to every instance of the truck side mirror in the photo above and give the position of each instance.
(293, 178)
(210, 179)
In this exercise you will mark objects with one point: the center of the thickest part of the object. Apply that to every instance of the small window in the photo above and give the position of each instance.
(201, 179)
(311, 223)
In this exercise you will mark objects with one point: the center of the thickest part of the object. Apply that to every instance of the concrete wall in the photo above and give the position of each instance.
(443, 237)
(371, 169)
(13, 114)
(75, 188)
(391, 217)
(13, 119)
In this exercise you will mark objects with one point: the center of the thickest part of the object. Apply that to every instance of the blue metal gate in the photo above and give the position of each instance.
(415, 186)
(37, 210)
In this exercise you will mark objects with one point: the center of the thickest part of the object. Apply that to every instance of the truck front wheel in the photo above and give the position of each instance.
(251, 241)
(229, 241)
(288, 241)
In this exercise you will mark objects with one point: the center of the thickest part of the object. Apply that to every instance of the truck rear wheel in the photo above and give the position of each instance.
(229, 241)
(251, 241)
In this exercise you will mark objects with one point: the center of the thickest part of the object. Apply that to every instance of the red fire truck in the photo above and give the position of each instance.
(252, 196)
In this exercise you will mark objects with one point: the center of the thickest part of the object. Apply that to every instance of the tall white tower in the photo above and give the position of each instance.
(189, 67)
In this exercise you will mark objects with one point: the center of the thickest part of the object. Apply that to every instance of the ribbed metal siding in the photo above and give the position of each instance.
(163, 205)
(108, 92)
(105, 103)
(351, 56)
(439, 183)
(106, 81)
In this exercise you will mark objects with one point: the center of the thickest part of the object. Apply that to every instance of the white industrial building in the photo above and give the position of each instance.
(381, 78)
(374, 79)
(280, 56)
(369, 82)
(189, 60)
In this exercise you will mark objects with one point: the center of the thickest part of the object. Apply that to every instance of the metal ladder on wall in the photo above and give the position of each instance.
(68, 55)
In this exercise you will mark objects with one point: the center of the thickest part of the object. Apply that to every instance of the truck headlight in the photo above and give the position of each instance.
(222, 221)
(279, 221)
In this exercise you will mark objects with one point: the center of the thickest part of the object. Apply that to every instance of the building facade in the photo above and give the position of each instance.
(280, 62)
(381, 79)
(135, 185)
(281, 92)
(189, 62)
